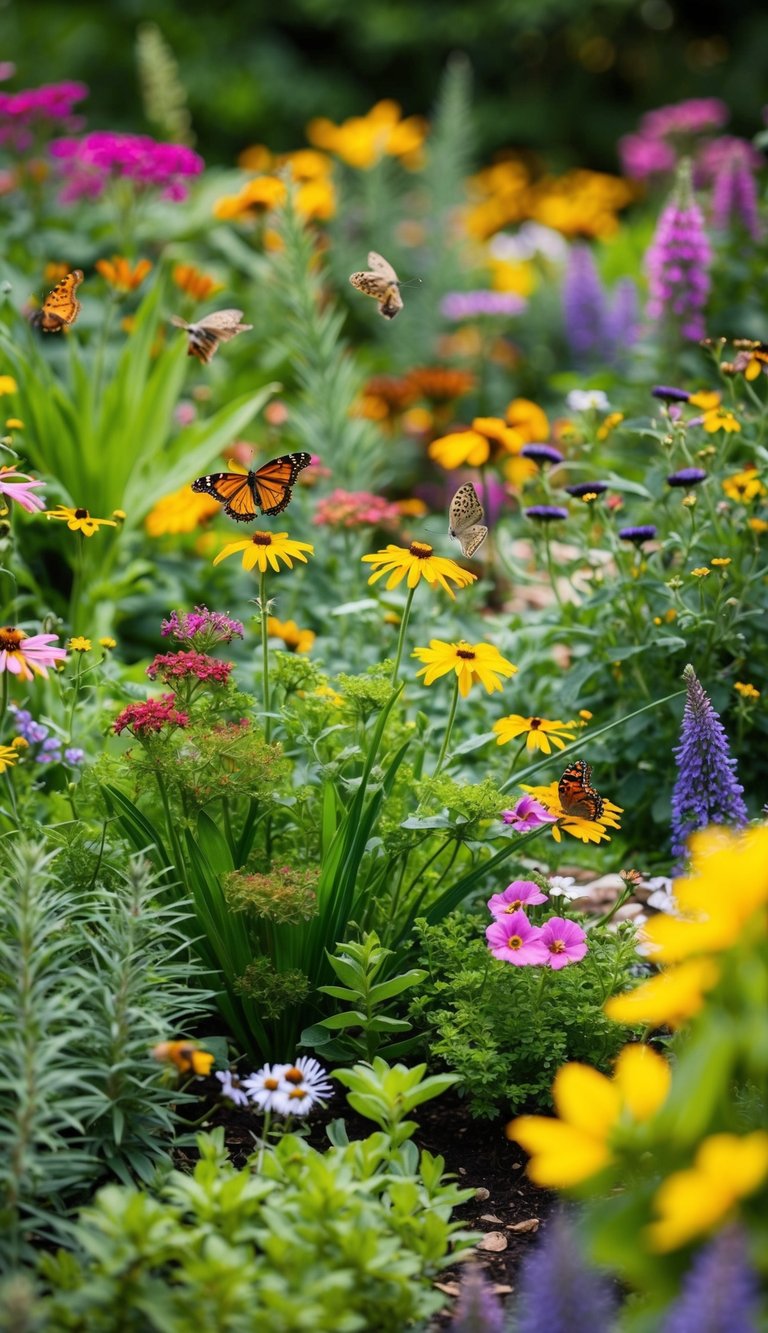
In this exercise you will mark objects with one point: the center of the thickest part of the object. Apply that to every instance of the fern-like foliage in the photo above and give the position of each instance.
(162, 91)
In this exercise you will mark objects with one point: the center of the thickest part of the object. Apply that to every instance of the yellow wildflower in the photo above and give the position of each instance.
(361, 141)
(295, 639)
(489, 438)
(609, 424)
(726, 1168)
(418, 561)
(588, 830)
(746, 691)
(668, 999)
(473, 663)
(194, 283)
(265, 550)
(79, 645)
(540, 734)
(118, 274)
(701, 572)
(8, 384)
(720, 561)
(181, 511)
(9, 754)
(79, 520)
(185, 1055)
(720, 418)
(705, 399)
(108, 643)
(744, 486)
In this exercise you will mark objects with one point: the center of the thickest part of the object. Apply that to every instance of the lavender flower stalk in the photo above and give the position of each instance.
(584, 307)
(558, 1291)
(706, 790)
(477, 1310)
(720, 1292)
(678, 261)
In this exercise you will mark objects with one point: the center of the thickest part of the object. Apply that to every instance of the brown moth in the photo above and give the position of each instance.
(382, 283)
(206, 334)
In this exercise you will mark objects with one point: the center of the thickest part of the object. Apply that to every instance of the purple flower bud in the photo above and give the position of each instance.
(687, 476)
(542, 453)
(545, 513)
(582, 488)
(477, 1310)
(669, 394)
(706, 790)
(645, 532)
(74, 756)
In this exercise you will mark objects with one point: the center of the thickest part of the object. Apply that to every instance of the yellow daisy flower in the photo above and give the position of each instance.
(539, 732)
(79, 520)
(265, 550)
(472, 662)
(489, 437)
(295, 639)
(588, 830)
(528, 419)
(108, 643)
(181, 511)
(744, 486)
(745, 690)
(9, 755)
(701, 572)
(719, 418)
(726, 1168)
(7, 384)
(418, 561)
(79, 644)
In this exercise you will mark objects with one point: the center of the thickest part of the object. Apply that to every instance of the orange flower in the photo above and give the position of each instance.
(194, 283)
(118, 273)
(185, 1055)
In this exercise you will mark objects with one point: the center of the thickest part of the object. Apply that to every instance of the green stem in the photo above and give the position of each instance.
(448, 729)
(551, 570)
(401, 636)
(265, 655)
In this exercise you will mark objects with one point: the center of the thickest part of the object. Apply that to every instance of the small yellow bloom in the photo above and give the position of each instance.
(690, 501)
(472, 663)
(108, 643)
(418, 561)
(720, 561)
(744, 487)
(79, 644)
(8, 384)
(79, 520)
(194, 283)
(411, 508)
(758, 525)
(183, 510)
(568, 1150)
(720, 418)
(726, 1168)
(610, 423)
(701, 572)
(257, 197)
(540, 734)
(185, 1055)
(746, 691)
(295, 639)
(361, 141)
(265, 550)
(117, 272)
(585, 715)
(330, 695)
(119, 514)
(14, 423)
(9, 755)
(19, 743)
(528, 419)
(706, 400)
(588, 830)
(670, 998)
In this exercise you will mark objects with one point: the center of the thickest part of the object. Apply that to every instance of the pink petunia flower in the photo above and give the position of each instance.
(527, 814)
(515, 940)
(520, 893)
(19, 487)
(564, 942)
(27, 655)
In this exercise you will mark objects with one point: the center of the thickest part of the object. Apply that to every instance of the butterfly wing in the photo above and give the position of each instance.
(224, 323)
(577, 797)
(61, 307)
(234, 490)
(273, 482)
(381, 283)
(472, 538)
(465, 510)
(381, 267)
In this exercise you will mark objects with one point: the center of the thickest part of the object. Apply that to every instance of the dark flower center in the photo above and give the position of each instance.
(420, 550)
(515, 906)
(262, 538)
(535, 723)
(515, 942)
(10, 639)
(557, 946)
(82, 513)
(466, 653)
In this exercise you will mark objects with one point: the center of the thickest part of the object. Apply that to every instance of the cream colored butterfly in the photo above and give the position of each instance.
(465, 520)
(382, 283)
(206, 334)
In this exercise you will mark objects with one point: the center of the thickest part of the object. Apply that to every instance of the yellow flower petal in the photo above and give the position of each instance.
(586, 1099)
(643, 1078)
(561, 1155)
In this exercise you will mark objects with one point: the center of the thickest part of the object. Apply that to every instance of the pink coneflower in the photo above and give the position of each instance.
(26, 655)
(520, 893)
(564, 942)
(527, 814)
(515, 940)
(19, 487)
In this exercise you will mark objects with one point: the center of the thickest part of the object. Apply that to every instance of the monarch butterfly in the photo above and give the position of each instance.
(465, 519)
(60, 307)
(205, 336)
(243, 493)
(576, 796)
(382, 283)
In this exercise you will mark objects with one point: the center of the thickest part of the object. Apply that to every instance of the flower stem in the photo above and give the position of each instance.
(448, 729)
(401, 636)
(265, 655)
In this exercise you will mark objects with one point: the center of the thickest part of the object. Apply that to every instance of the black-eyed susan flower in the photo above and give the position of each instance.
(720, 418)
(539, 733)
(418, 561)
(488, 438)
(744, 486)
(79, 520)
(265, 550)
(473, 663)
(9, 755)
(588, 830)
(119, 275)
(296, 640)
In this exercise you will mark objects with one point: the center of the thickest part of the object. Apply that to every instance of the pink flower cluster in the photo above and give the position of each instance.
(355, 509)
(91, 163)
(655, 148)
(201, 629)
(677, 263)
(514, 939)
(152, 716)
(728, 164)
(24, 113)
(186, 665)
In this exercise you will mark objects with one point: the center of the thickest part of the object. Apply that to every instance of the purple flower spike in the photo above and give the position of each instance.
(678, 261)
(477, 1309)
(582, 488)
(706, 790)
(644, 532)
(557, 1291)
(545, 513)
(668, 394)
(528, 814)
(720, 1292)
(687, 476)
(542, 453)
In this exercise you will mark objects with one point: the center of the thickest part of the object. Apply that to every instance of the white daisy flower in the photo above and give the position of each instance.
(581, 400)
(231, 1089)
(264, 1086)
(565, 886)
(301, 1086)
(662, 897)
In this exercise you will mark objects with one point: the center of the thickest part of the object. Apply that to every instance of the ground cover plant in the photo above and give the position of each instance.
(298, 796)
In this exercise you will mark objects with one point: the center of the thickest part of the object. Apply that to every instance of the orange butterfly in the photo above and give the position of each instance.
(268, 488)
(205, 336)
(60, 307)
(577, 797)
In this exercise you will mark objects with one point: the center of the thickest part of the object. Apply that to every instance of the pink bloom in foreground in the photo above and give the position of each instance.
(515, 940)
(564, 942)
(528, 814)
(520, 893)
(152, 716)
(19, 487)
(27, 655)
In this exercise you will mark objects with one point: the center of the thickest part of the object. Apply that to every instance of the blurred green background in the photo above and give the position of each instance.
(561, 78)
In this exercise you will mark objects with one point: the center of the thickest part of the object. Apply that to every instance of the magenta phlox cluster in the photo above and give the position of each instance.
(26, 113)
(661, 136)
(201, 629)
(513, 938)
(88, 165)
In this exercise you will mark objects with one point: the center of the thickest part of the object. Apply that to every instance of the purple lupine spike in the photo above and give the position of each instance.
(678, 260)
(706, 790)
(558, 1291)
(723, 195)
(623, 322)
(584, 306)
(745, 199)
(720, 1291)
(477, 1310)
